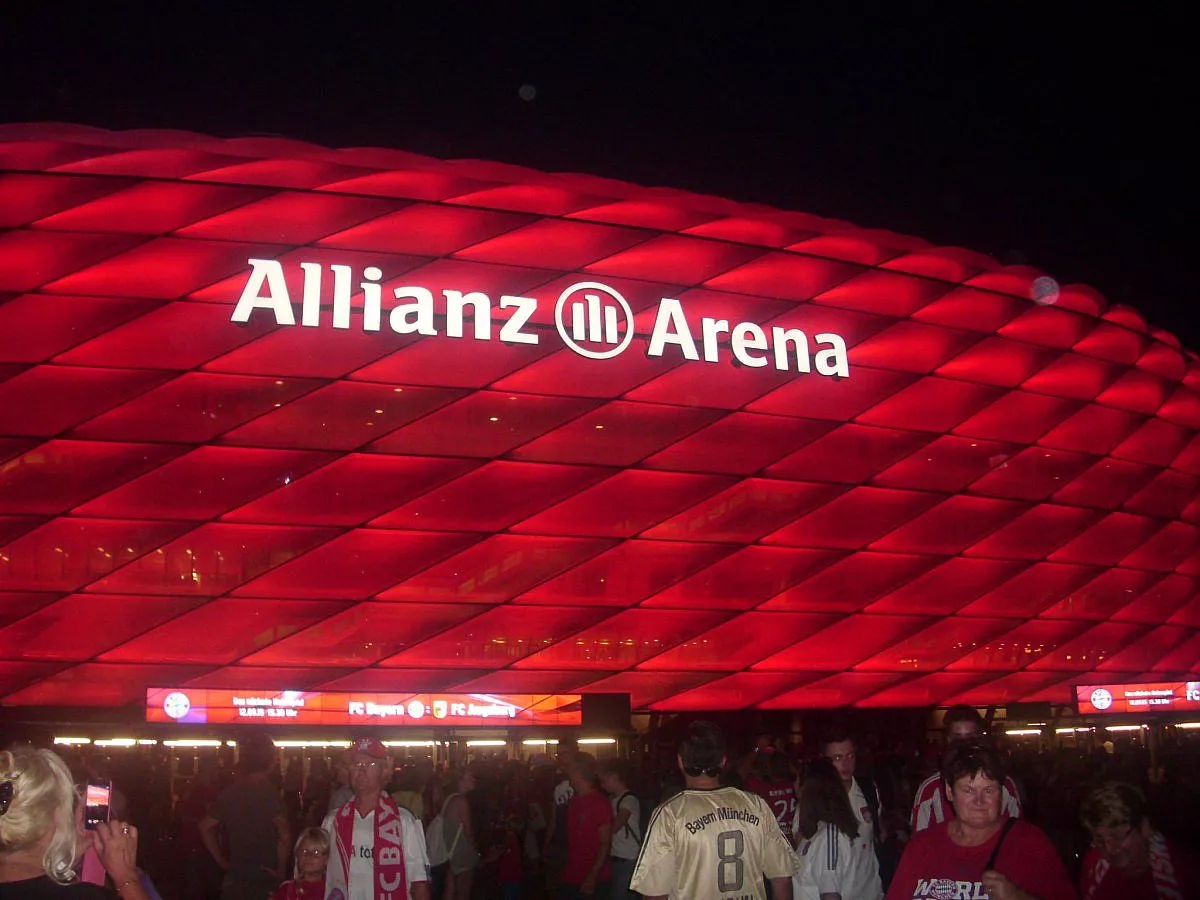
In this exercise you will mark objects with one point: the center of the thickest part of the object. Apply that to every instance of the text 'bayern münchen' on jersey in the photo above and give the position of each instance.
(713, 845)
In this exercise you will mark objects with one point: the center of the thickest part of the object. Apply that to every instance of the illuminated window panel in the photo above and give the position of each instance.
(291, 173)
(852, 582)
(940, 263)
(738, 691)
(1106, 485)
(354, 566)
(203, 483)
(1102, 597)
(1036, 533)
(843, 644)
(1139, 392)
(1032, 474)
(1183, 658)
(1164, 359)
(746, 511)
(931, 404)
(739, 444)
(1091, 649)
(1156, 443)
(573, 375)
(60, 474)
(47, 400)
(289, 218)
(949, 587)
(1108, 541)
(643, 688)
(858, 248)
(950, 527)
(16, 605)
(32, 259)
(854, 327)
(1010, 689)
(349, 490)
(697, 304)
(875, 291)
(510, 681)
(928, 690)
(1147, 650)
(850, 453)
(854, 519)
(1018, 648)
(153, 207)
(625, 640)
(194, 408)
(27, 196)
(15, 675)
(744, 579)
(35, 327)
(454, 274)
(627, 573)
(741, 642)
(543, 199)
(424, 229)
(499, 637)
(1074, 376)
(624, 505)
(913, 347)
(211, 559)
(440, 363)
(675, 258)
(947, 464)
(306, 351)
(749, 231)
(1113, 343)
(81, 626)
(1170, 548)
(418, 183)
(65, 553)
(997, 361)
(484, 424)
(937, 646)
(831, 398)
(643, 214)
(1032, 591)
(1018, 417)
(494, 496)
(496, 569)
(231, 628)
(1158, 603)
(718, 387)
(100, 684)
(386, 680)
(278, 678)
(152, 162)
(834, 691)
(363, 634)
(973, 310)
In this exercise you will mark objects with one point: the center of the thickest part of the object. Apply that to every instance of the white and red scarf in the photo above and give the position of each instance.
(388, 875)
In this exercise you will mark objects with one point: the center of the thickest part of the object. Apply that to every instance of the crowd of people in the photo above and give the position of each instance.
(845, 821)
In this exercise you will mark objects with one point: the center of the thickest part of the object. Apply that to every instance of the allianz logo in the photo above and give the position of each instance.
(591, 318)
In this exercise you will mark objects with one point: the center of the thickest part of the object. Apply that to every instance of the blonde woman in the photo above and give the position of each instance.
(42, 838)
(308, 874)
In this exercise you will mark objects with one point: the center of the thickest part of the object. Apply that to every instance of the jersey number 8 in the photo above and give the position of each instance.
(731, 868)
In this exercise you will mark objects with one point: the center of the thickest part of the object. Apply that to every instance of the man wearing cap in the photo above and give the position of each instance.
(378, 847)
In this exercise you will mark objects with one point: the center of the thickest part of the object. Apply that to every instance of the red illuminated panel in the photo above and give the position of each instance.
(1109, 699)
(244, 707)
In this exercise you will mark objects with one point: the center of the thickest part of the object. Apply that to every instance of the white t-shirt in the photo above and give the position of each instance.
(834, 864)
(362, 862)
(627, 840)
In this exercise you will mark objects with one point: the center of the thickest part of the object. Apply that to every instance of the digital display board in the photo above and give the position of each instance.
(1165, 696)
(189, 706)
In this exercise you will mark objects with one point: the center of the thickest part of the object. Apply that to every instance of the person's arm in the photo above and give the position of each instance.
(604, 832)
(419, 890)
(781, 889)
(283, 846)
(209, 828)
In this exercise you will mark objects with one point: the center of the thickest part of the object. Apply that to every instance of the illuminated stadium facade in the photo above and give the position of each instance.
(274, 416)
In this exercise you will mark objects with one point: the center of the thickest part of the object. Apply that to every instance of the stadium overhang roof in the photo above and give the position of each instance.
(274, 416)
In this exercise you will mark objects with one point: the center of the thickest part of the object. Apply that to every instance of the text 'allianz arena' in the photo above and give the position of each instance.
(277, 416)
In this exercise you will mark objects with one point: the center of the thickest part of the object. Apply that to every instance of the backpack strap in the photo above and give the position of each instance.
(1008, 826)
(633, 834)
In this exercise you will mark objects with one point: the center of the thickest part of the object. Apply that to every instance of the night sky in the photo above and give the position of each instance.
(1064, 142)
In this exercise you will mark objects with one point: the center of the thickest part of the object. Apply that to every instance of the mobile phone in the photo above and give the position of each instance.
(97, 800)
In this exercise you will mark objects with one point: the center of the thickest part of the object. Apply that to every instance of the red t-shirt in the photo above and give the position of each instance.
(586, 813)
(1171, 876)
(301, 890)
(933, 867)
(780, 797)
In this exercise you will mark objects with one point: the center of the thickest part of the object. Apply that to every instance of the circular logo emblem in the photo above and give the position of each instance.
(416, 709)
(1101, 699)
(177, 705)
(593, 313)
(943, 889)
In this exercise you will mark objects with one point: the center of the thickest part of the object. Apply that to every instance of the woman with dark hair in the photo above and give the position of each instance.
(979, 852)
(837, 862)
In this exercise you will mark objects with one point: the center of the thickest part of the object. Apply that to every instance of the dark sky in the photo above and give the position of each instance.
(1059, 141)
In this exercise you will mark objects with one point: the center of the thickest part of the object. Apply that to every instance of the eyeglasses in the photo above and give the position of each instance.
(1112, 839)
(838, 757)
(313, 851)
(365, 766)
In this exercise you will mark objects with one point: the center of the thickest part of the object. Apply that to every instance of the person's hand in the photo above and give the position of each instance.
(116, 845)
(998, 887)
(589, 886)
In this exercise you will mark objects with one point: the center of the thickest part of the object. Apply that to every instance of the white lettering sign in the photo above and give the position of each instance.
(592, 319)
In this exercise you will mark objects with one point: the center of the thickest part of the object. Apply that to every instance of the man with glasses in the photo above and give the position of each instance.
(710, 842)
(1129, 859)
(378, 846)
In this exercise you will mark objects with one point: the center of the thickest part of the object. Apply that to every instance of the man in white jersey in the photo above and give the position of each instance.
(840, 748)
(710, 842)
(377, 848)
(930, 805)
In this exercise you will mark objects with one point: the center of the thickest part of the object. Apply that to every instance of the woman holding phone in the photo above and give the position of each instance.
(42, 838)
